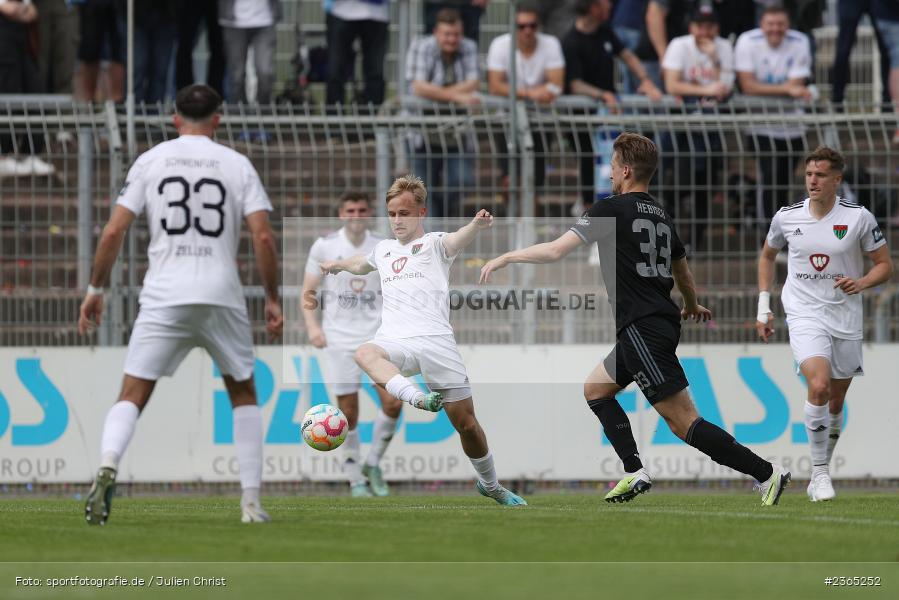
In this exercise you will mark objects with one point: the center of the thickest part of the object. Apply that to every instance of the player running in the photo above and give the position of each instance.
(827, 237)
(415, 335)
(640, 253)
(195, 193)
(351, 314)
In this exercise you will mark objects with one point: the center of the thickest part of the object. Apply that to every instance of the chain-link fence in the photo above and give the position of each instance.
(723, 172)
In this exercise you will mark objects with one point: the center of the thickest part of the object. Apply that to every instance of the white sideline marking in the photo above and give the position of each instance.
(752, 515)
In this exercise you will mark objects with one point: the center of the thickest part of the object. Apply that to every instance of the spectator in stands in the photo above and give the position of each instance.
(629, 24)
(556, 16)
(665, 20)
(470, 11)
(58, 33)
(590, 48)
(849, 13)
(774, 61)
(18, 75)
(190, 17)
(698, 68)
(539, 71)
(348, 20)
(245, 24)
(886, 12)
(155, 29)
(102, 25)
(540, 63)
(443, 67)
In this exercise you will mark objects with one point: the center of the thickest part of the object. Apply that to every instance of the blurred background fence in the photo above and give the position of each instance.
(537, 166)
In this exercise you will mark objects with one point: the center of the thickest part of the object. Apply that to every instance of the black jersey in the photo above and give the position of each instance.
(637, 242)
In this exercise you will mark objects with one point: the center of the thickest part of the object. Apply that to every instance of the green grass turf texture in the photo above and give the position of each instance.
(666, 545)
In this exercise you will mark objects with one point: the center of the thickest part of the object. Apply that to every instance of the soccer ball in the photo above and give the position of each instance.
(324, 427)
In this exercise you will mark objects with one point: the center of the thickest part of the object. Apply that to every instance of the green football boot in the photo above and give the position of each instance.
(629, 487)
(99, 500)
(376, 481)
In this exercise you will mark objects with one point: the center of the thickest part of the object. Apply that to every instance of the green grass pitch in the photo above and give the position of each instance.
(661, 545)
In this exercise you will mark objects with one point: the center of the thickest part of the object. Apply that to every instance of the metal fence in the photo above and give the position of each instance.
(534, 165)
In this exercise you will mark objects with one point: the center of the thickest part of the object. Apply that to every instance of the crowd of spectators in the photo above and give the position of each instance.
(698, 51)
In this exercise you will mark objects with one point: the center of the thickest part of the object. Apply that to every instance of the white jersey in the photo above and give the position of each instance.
(415, 286)
(821, 251)
(351, 304)
(195, 194)
(792, 59)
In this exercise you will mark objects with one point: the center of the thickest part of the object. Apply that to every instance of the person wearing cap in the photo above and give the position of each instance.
(699, 69)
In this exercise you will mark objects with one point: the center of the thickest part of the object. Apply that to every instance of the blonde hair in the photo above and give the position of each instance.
(409, 183)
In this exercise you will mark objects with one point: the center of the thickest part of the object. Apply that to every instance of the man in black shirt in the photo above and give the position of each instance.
(642, 259)
(590, 48)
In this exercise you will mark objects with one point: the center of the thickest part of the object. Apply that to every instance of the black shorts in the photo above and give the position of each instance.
(645, 353)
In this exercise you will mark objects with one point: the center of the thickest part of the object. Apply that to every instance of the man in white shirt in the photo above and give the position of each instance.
(351, 314)
(195, 193)
(539, 61)
(415, 334)
(245, 24)
(346, 21)
(827, 238)
(774, 61)
(699, 69)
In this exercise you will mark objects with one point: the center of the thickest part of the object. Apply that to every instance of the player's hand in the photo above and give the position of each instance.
(90, 314)
(491, 266)
(317, 337)
(274, 320)
(483, 219)
(765, 330)
(698, 313)
(848, 285)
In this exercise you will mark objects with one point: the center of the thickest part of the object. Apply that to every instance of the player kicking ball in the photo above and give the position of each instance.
(827, 238)
(351, 314)
(641, 258)
(415, 335)
(195, 193)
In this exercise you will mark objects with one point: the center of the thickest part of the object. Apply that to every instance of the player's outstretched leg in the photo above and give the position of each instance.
(474, 444)
(382, 434)
(375, 361)
(118, 428)
(599, 391)
(720, 446)
(248, 446)
(617, 428)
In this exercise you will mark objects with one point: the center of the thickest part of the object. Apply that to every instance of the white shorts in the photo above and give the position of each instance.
(342, 374)
(810, 337)
(436, 357)
(163, 336)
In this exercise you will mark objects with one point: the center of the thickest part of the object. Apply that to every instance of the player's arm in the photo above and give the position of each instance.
(546, 252)
(683, 279)
(357, 265)
(457, 241)
(266, 252)
(308, 304)
(764, 323)
(107, 252)
(879, 273)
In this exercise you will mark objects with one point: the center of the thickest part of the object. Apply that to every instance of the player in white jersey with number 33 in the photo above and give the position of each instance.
(195, 194)
(826, 238)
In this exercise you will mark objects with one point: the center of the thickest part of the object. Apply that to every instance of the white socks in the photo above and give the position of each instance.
(486, 471)
(836, 424)
(381, 435)
(405, 390)
(248, 446)
(117, 431)
(352, 468)
(816, 426)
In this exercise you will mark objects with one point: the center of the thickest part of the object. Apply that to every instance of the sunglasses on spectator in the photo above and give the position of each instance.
(531, 25)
